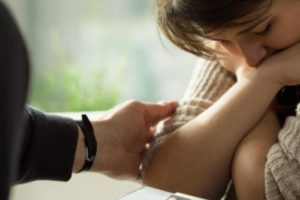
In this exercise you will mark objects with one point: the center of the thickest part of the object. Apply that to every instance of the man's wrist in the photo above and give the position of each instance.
(80, 151)
(102, 128)
(103, 155)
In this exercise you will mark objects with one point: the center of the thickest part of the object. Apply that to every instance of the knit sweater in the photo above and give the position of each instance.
(209, 82)
(282, 169)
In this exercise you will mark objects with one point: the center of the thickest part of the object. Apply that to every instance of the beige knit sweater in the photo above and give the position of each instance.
(209, 82)
(282, 169)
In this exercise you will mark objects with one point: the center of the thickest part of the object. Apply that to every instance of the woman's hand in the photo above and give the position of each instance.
(283, 67)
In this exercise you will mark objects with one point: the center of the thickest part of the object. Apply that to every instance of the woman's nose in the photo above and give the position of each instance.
(253, 52)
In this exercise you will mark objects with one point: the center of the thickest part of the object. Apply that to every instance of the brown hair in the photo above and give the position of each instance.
(183, 21)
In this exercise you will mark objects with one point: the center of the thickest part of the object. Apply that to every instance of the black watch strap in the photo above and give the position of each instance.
(90, 142)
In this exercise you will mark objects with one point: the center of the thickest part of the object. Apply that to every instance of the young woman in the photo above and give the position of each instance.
(257, 41)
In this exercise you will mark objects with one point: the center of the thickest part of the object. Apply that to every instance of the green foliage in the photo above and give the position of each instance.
(70, 88)
(60, 85)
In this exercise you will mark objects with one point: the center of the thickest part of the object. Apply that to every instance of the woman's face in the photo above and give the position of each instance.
(274, 30)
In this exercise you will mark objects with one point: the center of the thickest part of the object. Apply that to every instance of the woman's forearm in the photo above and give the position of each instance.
(236, 112)
(196, 158)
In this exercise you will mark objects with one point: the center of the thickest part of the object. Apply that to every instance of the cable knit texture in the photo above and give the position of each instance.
(282, 170)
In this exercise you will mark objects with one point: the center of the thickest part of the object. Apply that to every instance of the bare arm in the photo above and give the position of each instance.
(198, 155)
(196, 158)
(250, 158)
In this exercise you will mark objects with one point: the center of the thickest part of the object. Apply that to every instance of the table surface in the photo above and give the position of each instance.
(149, 193)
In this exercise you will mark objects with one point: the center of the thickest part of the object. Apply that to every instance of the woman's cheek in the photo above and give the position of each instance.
(284, 38)
(230, 63)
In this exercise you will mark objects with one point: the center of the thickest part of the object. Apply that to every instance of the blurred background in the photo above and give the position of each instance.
(92, 54)
(89, 55)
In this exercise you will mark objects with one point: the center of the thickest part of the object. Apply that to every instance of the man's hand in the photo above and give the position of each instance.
(123, 134)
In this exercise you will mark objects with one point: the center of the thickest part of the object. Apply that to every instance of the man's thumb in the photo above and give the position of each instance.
(157, 112)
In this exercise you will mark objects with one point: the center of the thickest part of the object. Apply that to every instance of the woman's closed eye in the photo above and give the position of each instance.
(265, 30)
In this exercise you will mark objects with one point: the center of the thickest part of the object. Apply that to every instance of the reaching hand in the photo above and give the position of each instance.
(123, 134)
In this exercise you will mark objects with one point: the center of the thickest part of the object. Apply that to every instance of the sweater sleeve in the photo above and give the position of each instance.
(282, 170)
(48, 147)
(209, 82)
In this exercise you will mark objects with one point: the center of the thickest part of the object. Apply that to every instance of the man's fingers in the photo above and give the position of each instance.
(157, 112)
(148, 136)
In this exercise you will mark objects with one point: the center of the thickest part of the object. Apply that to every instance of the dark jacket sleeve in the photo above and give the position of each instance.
(48, 147)
(45, 147)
